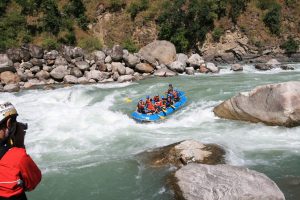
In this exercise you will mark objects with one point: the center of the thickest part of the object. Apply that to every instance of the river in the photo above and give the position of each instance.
(85, 142)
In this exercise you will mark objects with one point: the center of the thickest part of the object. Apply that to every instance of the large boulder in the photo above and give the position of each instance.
(36, 51)
(99, 56)
(212, 67)
(164, 72)
(190, 70)
(59, 72)
(11, 87)
(144, 68)
(177, 66)
(236, 67)
(125, 78)
(195, 60)
(131, 60)
(8, 77)
(42, 75)
(182, 58)
(117, 53)
(96, 75)
(82, 65)
(273, 104)
(199, 181)
(51, 55)
(6, 64)
(70, 79)
(160, 51)
(263, 67)
(72, 52)
(183, 153)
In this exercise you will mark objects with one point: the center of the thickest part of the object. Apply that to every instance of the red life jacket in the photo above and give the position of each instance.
(158, 103)
(150, 106)
(16, 167)
(141, 105)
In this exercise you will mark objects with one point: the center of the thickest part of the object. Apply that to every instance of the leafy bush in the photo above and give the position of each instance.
(83, 22)
(50, 43)
(187, 26)
(266, 4)
(75, 8)
(272, 20)
(52, 20)
(116, 5)
(136, 7)
(130, 45)
(237, 6)
(290, 2)
(3, 4)
(90, 43)
(68, 38)
(217, 33)
(12, 29)
(290, 46)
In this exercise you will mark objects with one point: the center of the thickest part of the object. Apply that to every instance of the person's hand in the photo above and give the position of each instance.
(19, 135)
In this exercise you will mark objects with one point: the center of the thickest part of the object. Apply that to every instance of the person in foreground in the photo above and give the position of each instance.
(18, 172)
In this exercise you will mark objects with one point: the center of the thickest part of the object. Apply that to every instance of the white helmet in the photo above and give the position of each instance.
(7, 110)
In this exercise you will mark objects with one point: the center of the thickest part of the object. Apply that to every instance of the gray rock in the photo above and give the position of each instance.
(101, 66)
(107, 80)
(287, 67)
(212, 67)
(182, 58)
(236, 67)
(273, 104)
(76, 72)
(117, 53)
(162, 51)
(28, 74)
(82, 65)
(144, 68)
(43, 75)
(59, 72)
(132, 60)
(129, 71)
(13, 54)
(263, 67)
(60, 61)
(52, 55)
(37, 62)
(273, 62)
(96, 75)
(36, 51)
(190, 70)
(109, 67)
(82, 80)
(117, 66)
(11, 88)
(115, 76)
(177, 66)
(108, 59)
(35, 69)
(164, 72)
(70, 79)
(125, 78)
(99, 56)
(199, 181)
(195, 60)
(26, 65)
(47, 68)
(73, 52)
(6, 64)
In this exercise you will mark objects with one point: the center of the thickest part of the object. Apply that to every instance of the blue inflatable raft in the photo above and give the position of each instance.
(161, 115)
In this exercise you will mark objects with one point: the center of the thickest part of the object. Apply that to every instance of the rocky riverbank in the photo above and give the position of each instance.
(32, 66)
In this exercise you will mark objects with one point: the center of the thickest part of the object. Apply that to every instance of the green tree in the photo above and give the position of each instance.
(13, 30)
(290, 46)
(272, 19)
(52, 19)
(237, 7)
(136, 7)
(3, 4)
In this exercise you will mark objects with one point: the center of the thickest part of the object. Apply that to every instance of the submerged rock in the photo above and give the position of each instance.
(185, 152)
(199, 181)
(273, 104)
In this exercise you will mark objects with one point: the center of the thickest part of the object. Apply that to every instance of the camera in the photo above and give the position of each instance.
(23, 125)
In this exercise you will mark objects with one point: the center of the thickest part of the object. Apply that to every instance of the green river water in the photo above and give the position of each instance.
(85, 142)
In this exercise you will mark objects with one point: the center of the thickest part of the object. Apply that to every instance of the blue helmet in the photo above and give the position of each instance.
(141, 99)
(162, 97)
(148, 96)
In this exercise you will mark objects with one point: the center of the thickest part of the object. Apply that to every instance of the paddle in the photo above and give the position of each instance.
(161, 117)
(127, 100)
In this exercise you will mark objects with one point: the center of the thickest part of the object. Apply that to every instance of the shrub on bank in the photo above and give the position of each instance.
(90, 43)
(272, 19)
(290, 46)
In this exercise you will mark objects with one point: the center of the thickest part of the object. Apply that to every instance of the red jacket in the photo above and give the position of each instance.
(14, 165)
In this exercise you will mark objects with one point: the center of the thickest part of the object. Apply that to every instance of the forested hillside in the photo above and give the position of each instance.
(93, 24)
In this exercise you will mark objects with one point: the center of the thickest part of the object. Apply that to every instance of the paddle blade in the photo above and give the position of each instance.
(161, 117)
(127, 100)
